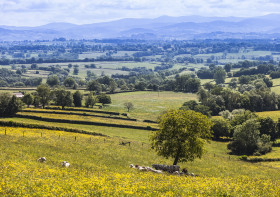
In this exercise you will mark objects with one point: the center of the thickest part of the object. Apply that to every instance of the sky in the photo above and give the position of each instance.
(40, 12)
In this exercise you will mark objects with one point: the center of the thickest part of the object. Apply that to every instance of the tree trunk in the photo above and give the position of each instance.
(177, 156)
(176, 160)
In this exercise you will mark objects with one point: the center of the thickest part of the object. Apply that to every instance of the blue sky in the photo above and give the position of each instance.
(40, 12)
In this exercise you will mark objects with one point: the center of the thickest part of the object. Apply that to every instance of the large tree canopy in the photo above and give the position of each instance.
(182, 135)
(44, 91)
(220, 76)
(63, 97)
(9, 105)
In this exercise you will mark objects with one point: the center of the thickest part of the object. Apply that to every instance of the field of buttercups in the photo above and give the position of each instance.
(99, 167)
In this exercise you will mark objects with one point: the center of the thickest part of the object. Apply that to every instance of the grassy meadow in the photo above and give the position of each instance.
(87, 118)
(275, 115)
(147, 104)
(123, 133)
(99, 167)
(276, 86)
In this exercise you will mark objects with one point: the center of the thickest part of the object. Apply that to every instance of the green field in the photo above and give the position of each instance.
(99, 167)
(124, 133)
(148, 104)
(102, 67)
(234, 57)
(275, 115)
(100, 54)
(276, 86)
(88, 119)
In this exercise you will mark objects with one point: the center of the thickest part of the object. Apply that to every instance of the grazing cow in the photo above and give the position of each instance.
(131, 166)
(65, 164)
(42, 159)
(176, 173)
(153, 170)
(142, 168)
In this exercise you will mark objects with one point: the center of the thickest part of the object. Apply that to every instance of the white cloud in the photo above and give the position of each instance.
(38, 12)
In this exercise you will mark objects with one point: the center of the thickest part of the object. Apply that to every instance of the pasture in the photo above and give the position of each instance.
(224, 58)
(124, 133)
(99, 167)
(275, 115)
(71, 117)
(276, 86)
(149, 104)
(102, 67)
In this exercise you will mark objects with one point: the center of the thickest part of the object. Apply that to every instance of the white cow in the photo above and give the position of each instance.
(142, 168)
(42, 159)
(65, 164)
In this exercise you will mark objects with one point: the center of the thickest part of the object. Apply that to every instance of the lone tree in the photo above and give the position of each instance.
(90, 100)
(76, 71)
(52, 80)
(93, 85)
(69, 82)
(9, 105)
(43, 92)
(28, 99)
(128, 105)
(104, 99)
(227, 67)
(63, 97)
(182, 135)
(77, 99)
(220, 76)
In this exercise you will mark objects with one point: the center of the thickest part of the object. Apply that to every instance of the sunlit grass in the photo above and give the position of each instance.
(124, 133)
(148, 104)
(99, 167)
(275, 115)
(88, 119)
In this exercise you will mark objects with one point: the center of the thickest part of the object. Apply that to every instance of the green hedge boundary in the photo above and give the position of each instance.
(255, 160)
(79, 114)
(85, 110)
(84, 122)
(37, 126)
(150, 121)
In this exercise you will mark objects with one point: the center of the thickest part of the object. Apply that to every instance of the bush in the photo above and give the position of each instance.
(243, 157)
(247, 139)
(221, 128)
(9, 105)
(104, 99)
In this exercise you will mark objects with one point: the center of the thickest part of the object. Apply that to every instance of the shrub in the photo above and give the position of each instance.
(243, 157)
(247, 139)
(9, 105)
(221, 128)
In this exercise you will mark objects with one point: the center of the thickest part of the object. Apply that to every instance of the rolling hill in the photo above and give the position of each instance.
(164, 27)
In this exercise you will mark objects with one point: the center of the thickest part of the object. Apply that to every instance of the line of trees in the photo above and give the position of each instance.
(62, 97)
(255, 96)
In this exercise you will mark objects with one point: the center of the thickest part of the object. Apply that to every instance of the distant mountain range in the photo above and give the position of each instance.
(164, 27)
